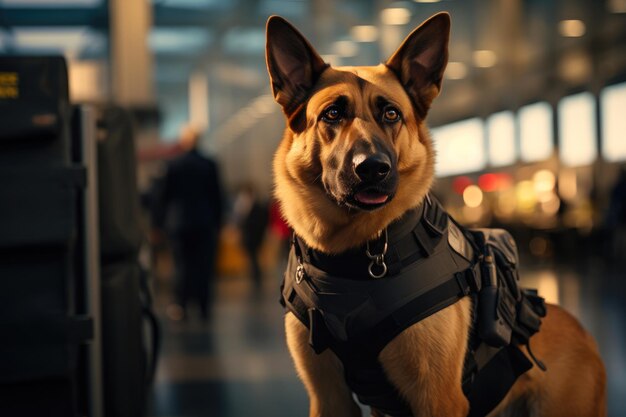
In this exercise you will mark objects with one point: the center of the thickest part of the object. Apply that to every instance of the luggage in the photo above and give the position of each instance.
(42, 357)
(129, 327)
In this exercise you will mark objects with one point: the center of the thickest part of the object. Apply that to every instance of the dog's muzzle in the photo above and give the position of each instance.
(376, 187)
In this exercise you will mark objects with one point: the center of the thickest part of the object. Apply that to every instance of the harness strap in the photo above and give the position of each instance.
(497, 377)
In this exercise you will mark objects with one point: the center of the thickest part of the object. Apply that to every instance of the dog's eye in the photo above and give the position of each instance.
(391, 115)
(332, 114)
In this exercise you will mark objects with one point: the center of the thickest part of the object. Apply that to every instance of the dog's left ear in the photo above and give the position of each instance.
(293, 65)
(421, 59)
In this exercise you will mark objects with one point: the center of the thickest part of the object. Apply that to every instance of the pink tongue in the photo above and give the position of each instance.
(371, 198)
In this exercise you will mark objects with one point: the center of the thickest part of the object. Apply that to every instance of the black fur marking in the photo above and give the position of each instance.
(329, 132)
(361, 83)
(333, 163)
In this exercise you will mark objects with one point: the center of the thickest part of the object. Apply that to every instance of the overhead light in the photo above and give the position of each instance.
(346, 49)
(456, 70)
(617, 6)
(426, 1)
(572, 28)
(395, 16)
(485, 58)
(364, 33)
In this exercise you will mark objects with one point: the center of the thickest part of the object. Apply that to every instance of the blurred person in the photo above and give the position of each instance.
(188, 207)
(280, 229)
(251, 215)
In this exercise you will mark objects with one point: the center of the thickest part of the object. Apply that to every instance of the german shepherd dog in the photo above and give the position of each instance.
(355, 156)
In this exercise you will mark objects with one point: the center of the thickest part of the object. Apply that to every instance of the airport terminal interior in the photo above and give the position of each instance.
(119, 300)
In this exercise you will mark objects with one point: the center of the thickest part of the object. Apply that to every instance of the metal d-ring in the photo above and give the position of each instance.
(299, 271)
(377, 259)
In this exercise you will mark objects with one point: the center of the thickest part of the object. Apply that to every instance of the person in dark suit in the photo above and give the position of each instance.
(189, 209)
(251, 214)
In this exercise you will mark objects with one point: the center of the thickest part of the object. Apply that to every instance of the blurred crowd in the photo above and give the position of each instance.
(199, 231)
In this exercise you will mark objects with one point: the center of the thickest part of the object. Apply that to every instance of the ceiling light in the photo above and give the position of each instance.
(572, 28)
(364, 33)
(426, 1)
(456, 70)
(395, 16)
(346, 49)
(485, 58)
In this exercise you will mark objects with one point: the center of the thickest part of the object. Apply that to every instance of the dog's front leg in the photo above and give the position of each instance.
(321, 374)
(425, 362)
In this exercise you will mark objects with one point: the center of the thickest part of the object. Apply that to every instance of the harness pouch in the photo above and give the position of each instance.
(500, 294)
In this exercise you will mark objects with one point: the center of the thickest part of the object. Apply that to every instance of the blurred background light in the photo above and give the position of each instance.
(491, 182)
(484, 58)
(456, 71)
(501, 139)
(460, 147)
(567, 183)
(345, 48)
(613, 105)
(472, 196)
(395, 16)
(364, 33)
(577, 129)
(575, 67)
(572, 28)
(536, 132)
(544, 182)
(459, 184)
(616, 6)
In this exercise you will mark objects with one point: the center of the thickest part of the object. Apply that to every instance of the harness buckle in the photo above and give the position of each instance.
(299, 271)
(377, 260)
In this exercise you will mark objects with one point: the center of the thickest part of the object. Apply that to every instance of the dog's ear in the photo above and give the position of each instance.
(293, 66)
(421, 59)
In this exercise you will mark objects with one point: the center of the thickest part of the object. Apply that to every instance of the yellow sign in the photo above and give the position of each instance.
(9, 87)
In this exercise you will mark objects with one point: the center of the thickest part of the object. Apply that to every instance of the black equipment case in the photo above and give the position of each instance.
(42, 320)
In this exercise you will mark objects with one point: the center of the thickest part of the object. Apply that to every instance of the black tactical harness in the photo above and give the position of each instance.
(356, 302)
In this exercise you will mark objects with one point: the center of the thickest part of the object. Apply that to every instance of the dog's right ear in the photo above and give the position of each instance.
(293, 66)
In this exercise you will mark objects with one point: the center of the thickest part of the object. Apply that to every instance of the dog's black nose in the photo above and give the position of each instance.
(373, 168)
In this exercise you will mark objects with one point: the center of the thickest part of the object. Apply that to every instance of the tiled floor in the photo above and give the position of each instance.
(239, 366)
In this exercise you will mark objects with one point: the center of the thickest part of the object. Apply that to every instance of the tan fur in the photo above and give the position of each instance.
(318, 220)
(425, 362)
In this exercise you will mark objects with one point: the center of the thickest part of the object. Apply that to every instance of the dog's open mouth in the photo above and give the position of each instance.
(370, 199)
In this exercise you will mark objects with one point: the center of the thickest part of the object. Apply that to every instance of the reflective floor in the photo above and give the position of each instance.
(238, 365)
